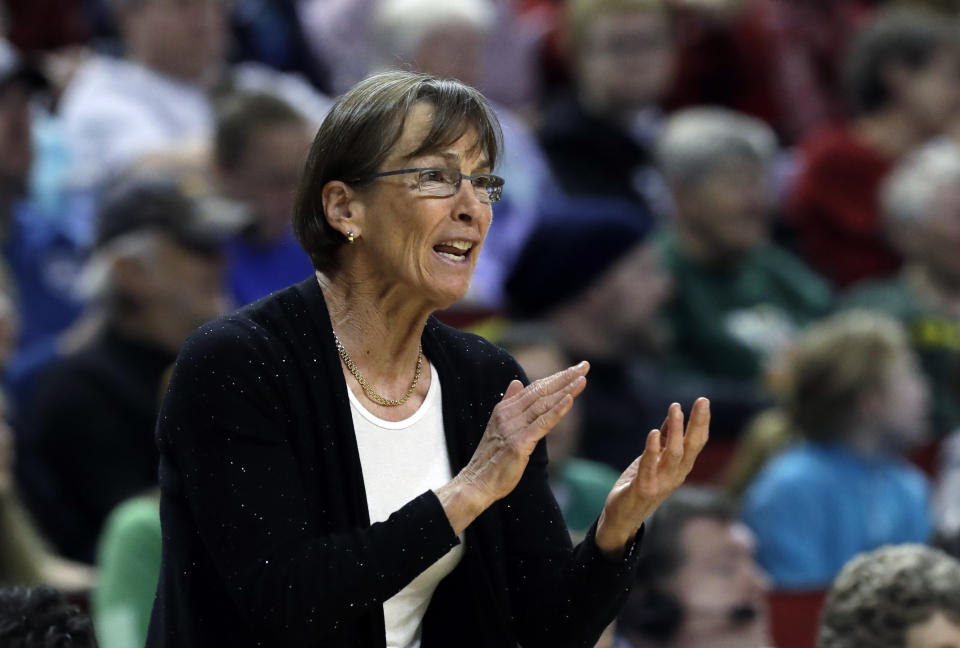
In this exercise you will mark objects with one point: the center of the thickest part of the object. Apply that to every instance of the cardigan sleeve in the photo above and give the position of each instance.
(222, 437)
(562, 596)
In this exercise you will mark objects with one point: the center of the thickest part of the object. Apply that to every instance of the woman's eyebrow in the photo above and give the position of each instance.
(451, 159)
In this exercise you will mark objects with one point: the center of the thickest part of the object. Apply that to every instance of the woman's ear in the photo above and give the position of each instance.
(342, 208)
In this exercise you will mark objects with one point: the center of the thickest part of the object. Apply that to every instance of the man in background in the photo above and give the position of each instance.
(698, 585)
(161, 95)
(259, 149)
(155, 274)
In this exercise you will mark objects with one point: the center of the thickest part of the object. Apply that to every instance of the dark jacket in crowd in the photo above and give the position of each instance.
(87, 443)
(266, 535)
(591, 156)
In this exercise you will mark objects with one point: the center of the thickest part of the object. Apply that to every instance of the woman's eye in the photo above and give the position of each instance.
(433, 175)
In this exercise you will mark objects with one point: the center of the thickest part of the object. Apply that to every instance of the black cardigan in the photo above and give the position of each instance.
(266, 534)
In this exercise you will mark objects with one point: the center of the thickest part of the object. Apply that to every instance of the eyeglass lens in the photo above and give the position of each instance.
(446, 182)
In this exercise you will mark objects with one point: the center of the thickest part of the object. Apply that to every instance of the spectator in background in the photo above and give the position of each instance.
(905, 596)
(161, 95)
(448, 38)
(39, 617)
(273, 33)
(156, 273)
(259, 149)
(598, 137)
(25, 558)
(903, 84)
(739, 298)
(340, 32)
(128, 568)
(777, 60)
(602, 308)
(579, 485)
(858, 401)
(921, 207)
(43, 251)
(698, 585)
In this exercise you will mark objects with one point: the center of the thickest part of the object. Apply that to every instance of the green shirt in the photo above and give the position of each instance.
(583, 489)
(129, 567)
(935, 337)
(726, 323)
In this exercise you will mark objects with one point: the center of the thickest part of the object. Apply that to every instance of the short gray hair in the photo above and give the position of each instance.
(399, 26)
(879, 595)
(908, 192)
(697, 140)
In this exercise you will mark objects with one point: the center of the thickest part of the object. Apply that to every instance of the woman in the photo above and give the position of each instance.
(900, 596)
(855, 404)
(337, 467)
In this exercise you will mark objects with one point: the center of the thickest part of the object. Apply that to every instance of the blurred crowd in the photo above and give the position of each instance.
(757, 201)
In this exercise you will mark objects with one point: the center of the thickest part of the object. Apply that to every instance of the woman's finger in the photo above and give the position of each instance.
(698, 431)
(514, 388)
(649, 460)
(546, 421)
(673, 447)
(543, 405)
(545, 387)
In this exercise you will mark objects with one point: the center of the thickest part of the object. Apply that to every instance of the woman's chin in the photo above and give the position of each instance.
(443, 296)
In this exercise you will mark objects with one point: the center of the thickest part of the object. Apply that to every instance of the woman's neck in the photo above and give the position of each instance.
(379, 328)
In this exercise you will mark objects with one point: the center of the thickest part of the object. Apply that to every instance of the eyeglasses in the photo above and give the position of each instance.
(444, 182)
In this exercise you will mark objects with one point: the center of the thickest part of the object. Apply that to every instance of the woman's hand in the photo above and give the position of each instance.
(665, 463)
(523, 417)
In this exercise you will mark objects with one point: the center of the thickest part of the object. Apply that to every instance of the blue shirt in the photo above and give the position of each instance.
(817, 505)
(46, 253)
(256, 270)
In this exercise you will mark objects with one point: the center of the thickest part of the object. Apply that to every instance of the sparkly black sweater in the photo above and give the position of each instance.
(266, 534)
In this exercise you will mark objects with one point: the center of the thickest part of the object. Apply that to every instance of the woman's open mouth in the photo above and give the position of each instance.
(455, 251)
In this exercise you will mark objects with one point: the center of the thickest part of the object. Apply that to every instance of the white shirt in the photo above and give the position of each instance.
(401, 460)
(115, 111)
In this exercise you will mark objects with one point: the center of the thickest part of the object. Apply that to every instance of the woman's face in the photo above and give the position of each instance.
(901, 405)
(939, 631)
(423, 244)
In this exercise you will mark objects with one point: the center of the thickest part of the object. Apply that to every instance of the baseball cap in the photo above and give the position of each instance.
(159, 202)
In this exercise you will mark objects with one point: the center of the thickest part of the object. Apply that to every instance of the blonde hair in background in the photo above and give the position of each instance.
(833, 363)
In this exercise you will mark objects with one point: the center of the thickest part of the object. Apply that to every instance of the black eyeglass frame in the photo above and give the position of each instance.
(494, 190)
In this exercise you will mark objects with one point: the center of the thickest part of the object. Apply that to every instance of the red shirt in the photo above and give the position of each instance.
(834, 206)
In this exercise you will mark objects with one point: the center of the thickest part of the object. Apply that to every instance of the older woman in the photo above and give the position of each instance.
(339, 469)
(901, 596)
(855, 402)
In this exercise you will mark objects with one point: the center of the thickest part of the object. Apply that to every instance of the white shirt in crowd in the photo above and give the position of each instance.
(115, 111)
(401, 460)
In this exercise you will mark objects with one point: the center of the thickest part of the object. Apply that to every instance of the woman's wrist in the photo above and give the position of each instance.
(462, 502)
(611, 540)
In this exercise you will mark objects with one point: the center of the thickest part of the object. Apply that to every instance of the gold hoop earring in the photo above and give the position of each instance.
(350, 237)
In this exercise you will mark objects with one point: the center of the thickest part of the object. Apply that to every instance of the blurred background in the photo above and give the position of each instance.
(753, 200)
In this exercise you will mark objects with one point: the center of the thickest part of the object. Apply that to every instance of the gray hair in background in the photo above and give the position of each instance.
(907, 195)
(399, 26)
(879, 595)
(696, 141)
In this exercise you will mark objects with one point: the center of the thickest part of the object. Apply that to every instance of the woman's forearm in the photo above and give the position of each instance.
(462, 503)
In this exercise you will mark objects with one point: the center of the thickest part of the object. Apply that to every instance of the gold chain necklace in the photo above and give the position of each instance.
(367, 388)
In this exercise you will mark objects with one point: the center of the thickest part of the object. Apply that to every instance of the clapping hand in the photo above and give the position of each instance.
(667, 459)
